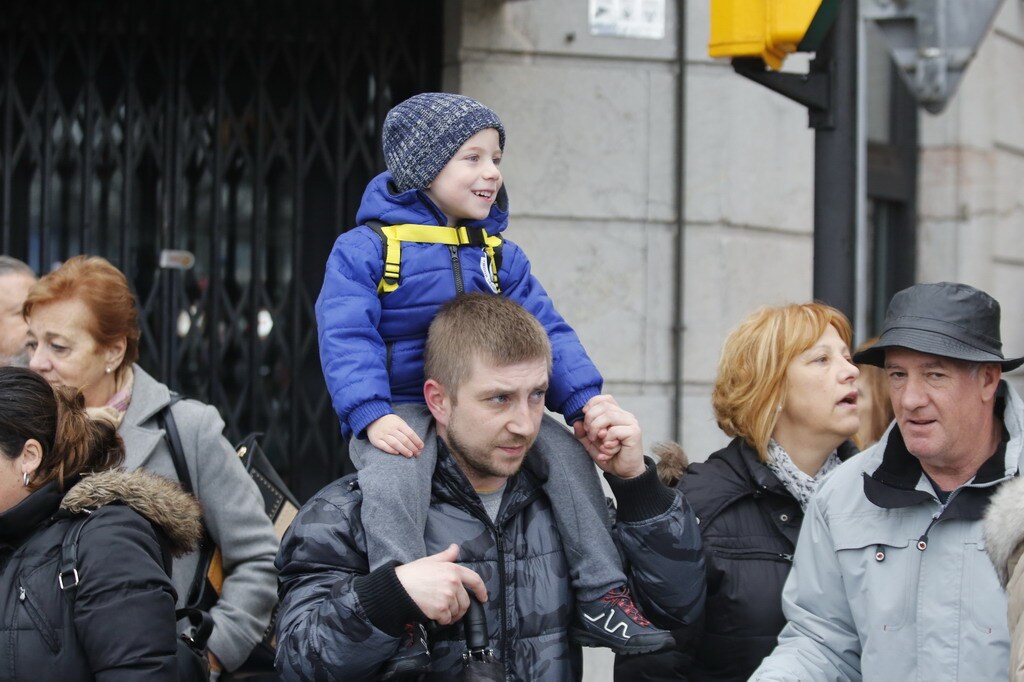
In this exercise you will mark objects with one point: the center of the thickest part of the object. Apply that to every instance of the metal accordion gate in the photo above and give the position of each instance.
(212, 151)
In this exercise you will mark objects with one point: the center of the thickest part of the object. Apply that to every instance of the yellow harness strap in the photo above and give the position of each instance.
(394, 235)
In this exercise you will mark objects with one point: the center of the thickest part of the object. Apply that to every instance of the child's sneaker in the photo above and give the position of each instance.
(412, 658)
(615, 622)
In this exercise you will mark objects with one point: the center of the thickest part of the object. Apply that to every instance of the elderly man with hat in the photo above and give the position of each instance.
(890, 579)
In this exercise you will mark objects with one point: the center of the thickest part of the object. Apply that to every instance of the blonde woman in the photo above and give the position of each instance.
(787, 393)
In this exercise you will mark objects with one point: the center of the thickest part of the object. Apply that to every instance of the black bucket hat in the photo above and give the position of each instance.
(945, 318)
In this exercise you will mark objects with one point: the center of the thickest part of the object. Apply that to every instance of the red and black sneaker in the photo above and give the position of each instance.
(412, 658)
(615, 622)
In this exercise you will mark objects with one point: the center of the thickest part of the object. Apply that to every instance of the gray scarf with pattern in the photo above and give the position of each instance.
(800, 485)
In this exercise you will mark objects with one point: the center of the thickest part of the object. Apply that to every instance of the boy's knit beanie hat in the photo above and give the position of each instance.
(423, 133)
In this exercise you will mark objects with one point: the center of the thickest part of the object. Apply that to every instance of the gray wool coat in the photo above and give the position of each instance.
(232, 511)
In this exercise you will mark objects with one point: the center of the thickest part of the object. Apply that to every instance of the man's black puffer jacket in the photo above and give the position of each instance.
(339, 620)
(749, 526)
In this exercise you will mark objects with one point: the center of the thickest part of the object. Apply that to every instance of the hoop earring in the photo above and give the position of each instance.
(25, 479)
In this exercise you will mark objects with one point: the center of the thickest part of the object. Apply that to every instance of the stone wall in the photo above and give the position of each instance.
(598, 193)
(749, 214)
(591, 166)
(971, 185)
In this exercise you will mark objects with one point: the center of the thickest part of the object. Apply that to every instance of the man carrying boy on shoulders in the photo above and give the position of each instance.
(490, 529)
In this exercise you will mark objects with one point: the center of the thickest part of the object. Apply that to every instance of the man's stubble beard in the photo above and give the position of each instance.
(481, 464)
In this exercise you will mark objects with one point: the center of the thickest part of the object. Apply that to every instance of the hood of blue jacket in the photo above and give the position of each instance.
(382, 202)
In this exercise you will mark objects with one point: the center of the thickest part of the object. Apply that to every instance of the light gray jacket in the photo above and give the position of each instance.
(232, 511)
(896, 587)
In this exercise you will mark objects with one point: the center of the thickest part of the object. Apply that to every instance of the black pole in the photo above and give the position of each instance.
(835, 165)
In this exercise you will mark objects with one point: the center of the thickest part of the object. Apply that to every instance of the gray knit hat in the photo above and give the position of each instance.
(422, 134)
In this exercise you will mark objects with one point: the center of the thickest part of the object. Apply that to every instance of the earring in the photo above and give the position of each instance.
(25, 479)
(779, 408)
(108, 370)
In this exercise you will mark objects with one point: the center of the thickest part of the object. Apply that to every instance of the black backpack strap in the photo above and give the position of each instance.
(201, 622)
(392, 254)
(67, 574)
(206, 546)
(166, 420)
(491, 244)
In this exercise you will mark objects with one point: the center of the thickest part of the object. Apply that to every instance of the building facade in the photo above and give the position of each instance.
(660, 196)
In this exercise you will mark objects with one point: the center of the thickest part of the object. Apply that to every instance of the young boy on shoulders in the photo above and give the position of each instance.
(430, 228)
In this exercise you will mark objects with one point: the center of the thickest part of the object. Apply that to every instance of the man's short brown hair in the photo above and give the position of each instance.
(495, 329)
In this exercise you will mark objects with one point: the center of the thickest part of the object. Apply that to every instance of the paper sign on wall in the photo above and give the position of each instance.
(628, 18)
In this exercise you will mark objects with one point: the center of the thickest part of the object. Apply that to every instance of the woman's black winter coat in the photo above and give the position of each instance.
(749, 524)
(120, 626)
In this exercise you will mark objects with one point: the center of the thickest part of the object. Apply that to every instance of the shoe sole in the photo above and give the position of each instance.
(586, 639)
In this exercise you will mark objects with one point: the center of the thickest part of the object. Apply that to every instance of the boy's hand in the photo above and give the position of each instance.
(612, 437)
(392, 435)
(608, 446)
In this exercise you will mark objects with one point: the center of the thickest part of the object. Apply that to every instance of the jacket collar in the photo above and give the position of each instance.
(382, 202)
(159, 500)
(763, 476)
(148, 398)
(22, 519)
(451, 485)
(898, 481)
(751, 477)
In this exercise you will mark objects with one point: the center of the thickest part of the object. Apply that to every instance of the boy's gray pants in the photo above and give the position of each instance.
(396, 497)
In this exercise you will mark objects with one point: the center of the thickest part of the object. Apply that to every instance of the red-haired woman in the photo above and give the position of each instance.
(84, 332)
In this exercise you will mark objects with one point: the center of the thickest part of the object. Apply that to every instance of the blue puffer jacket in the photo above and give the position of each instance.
(371, 347)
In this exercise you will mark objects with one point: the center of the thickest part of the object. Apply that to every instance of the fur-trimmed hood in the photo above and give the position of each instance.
(158, 499)
(1004, 527)
(672, 462)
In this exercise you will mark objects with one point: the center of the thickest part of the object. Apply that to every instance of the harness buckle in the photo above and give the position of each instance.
(473, 236)
(73, 574)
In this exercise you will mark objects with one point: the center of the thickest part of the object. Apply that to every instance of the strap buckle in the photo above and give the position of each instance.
(473, 236)
(73, 574)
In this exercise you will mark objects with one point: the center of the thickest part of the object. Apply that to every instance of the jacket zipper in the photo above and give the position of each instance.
(751, 555)
(456, 268)
(510, 513)
(473, 508)
(499, 534)
(47, 633)
(505, 652)
(452, 250)
(922, 542)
